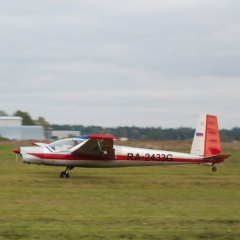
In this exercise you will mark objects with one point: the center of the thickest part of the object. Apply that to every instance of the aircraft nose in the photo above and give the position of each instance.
(16, 150)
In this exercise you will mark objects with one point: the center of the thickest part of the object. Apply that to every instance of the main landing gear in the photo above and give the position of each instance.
(65, 174)
(214, 169)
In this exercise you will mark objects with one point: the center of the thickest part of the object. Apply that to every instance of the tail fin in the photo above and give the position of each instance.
(206, 141)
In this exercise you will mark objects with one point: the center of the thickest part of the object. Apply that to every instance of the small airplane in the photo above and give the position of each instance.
(98, 151)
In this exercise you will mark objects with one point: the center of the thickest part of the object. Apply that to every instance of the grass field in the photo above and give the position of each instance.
(176, 203)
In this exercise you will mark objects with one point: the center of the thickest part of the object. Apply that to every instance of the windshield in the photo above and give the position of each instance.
(65, 144)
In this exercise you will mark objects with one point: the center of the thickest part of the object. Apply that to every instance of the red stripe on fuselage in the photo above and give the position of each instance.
(177, 160)
(54, 156)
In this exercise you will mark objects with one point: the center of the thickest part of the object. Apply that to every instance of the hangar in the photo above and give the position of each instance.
(11, 128)
(10, 121)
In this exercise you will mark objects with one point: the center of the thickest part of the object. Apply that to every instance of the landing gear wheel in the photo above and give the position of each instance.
(64, 175)
(214, 169)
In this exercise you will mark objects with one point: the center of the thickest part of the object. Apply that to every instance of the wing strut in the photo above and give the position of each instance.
(100, 148)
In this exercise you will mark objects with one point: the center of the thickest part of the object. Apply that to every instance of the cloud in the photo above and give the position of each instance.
(155, 63)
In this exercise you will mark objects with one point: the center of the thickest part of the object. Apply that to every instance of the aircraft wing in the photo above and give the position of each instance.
(97, 146)
(41, 144)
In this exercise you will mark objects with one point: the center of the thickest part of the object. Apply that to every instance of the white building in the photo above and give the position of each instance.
(11, 128)
(10, 121)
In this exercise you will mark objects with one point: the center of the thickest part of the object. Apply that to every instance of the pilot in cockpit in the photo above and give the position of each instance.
(75, 143)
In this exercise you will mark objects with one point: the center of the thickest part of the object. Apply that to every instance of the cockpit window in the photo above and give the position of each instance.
(65, 144)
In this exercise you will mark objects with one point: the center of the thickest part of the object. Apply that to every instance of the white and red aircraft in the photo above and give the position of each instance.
(98, 151)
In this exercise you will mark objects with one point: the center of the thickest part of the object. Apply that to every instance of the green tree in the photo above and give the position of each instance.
(123, 132)
(2, 113)
(135, 133)
(27, 120)
(41, 121)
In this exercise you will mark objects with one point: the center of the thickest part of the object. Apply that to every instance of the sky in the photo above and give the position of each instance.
(146, 63)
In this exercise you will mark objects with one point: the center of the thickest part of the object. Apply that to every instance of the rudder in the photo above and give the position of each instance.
(206, 141)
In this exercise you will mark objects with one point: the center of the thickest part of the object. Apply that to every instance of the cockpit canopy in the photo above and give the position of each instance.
(65, 144)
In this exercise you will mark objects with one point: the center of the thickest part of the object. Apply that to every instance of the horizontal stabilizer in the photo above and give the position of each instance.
(217, 157)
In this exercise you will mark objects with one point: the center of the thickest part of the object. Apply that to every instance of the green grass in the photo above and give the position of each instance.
(176, 203)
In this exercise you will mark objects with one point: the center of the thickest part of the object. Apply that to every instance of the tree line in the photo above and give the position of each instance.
(153, 133)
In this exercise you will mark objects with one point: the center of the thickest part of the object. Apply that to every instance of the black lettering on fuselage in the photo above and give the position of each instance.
(130, 156)
(149, 157)
(137, 157)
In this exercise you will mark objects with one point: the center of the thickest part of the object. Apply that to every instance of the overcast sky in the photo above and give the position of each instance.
(121, 63)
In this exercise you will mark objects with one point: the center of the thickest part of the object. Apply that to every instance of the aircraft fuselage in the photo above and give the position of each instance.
(124, 157)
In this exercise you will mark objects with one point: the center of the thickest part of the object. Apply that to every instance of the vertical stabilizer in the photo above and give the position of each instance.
(206, 141)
